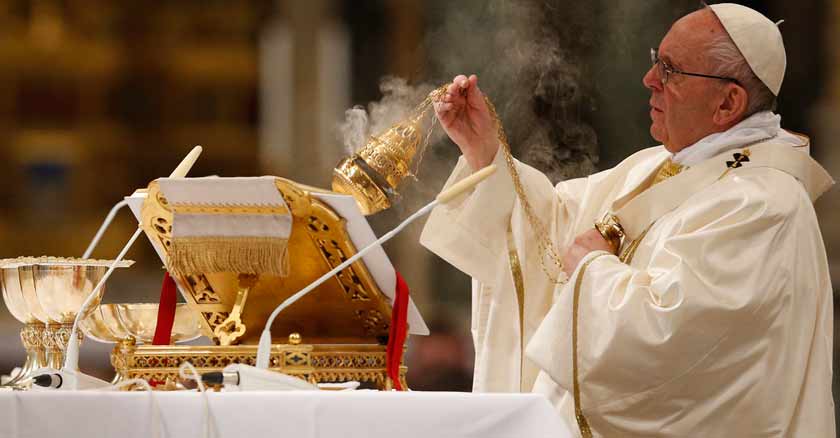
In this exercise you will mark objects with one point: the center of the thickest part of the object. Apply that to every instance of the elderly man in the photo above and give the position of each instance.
(700, 303)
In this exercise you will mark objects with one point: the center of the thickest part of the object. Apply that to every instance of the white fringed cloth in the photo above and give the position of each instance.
(237, 225)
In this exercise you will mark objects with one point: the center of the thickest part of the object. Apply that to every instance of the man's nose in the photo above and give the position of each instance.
(652, 80)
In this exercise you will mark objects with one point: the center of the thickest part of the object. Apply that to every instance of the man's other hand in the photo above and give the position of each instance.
(464, 115)
(586, 242)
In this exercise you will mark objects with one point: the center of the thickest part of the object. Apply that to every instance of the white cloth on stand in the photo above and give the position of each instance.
(227, 192)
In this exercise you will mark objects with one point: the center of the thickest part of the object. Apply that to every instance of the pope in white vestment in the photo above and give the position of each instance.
(713, 320)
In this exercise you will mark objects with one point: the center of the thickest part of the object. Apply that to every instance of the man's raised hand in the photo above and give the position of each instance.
(464, 115)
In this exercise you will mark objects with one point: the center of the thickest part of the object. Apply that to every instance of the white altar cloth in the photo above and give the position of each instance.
(370, 414)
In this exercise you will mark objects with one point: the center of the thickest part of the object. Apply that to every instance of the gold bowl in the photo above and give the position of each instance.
(112, 323)
(53, 289)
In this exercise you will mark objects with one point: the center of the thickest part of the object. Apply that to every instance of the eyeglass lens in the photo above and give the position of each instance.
(660, 66)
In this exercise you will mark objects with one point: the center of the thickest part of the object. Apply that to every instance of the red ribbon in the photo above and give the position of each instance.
(166, 312)
(398, 333)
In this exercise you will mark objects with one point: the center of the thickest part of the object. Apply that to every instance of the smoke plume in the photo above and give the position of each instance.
(529, 59)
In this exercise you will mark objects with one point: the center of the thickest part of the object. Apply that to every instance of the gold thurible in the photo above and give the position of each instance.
(373, 174)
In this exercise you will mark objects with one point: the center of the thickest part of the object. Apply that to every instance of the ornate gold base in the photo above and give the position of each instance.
(55, 338)
(314, 363)
(31, 336)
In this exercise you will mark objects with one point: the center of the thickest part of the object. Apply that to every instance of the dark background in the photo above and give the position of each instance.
(98, 98)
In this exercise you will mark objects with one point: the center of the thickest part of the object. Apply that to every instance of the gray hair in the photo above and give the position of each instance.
(726, 60)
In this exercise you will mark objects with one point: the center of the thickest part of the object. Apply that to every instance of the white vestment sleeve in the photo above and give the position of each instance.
(471, 231)
(707, 307)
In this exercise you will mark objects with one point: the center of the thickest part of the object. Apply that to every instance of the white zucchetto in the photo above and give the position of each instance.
(758, 39)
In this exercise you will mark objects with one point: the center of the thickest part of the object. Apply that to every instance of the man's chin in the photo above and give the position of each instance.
(656, 133)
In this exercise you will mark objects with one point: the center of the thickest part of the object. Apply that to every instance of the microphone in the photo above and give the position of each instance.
(48, 380)
(70, 377)
(248, 378)
(260, 374)
(105, 224)
(65, 379)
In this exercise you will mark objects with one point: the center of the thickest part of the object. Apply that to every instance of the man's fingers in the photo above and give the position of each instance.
(444, 113)
(453, 89)
(461, 81)
(475, 98)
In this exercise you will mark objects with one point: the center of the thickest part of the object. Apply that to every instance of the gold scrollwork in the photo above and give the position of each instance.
(215, 319)
(203, 293)
(373, 321)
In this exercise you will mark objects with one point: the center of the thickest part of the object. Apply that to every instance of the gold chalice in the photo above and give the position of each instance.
(59, 286)
(31, 334)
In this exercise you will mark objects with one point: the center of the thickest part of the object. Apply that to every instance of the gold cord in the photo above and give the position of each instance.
(519, 285)
(544, 244)
(583, 424)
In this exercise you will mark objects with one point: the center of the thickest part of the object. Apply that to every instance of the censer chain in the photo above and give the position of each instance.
(544, 244)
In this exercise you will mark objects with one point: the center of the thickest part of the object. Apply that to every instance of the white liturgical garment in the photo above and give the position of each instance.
(719, 325)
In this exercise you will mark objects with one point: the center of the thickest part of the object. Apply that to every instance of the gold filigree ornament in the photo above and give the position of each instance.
(373, 175)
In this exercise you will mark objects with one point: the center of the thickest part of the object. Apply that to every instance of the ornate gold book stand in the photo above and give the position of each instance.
(337, 333)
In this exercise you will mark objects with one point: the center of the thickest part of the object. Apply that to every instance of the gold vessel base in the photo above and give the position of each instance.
(315, 363)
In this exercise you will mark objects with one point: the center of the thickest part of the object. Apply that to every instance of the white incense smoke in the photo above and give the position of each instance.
(398, 101)
(528, 65)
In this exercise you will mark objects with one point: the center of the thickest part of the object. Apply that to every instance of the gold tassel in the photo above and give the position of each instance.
(243, 255)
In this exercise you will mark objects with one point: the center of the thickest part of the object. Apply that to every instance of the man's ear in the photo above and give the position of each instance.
(733, 106)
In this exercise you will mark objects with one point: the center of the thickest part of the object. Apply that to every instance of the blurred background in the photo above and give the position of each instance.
(98, 98)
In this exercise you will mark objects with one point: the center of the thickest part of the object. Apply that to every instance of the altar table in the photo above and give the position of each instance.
(299, 414)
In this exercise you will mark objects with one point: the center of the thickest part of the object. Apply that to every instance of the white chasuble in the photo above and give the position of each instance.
(719, 325)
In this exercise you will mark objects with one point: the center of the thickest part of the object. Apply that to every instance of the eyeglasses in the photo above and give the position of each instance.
(665, 70)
